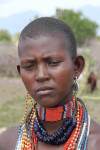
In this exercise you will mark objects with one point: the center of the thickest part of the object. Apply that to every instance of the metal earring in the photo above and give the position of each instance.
(75, 86)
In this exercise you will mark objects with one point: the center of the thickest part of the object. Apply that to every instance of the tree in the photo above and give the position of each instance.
(82, 27)
(5, 36)
(35, 17)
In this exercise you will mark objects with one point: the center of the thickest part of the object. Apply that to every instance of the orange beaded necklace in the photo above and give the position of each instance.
(28, 141)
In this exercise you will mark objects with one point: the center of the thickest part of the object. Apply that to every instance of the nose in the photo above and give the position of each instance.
(42, 73)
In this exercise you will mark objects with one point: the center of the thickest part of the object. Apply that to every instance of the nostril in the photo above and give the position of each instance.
(41, 79)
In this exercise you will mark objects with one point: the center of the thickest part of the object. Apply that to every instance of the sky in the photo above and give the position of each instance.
(44, 7)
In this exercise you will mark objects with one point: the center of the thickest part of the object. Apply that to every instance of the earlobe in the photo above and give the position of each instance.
(79, 63)
(18, 68)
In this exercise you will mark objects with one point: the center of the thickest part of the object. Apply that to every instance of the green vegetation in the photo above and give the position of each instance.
(5, 37)
(88, 58)
(36, 17)
(92, 102)
(89, 64)
(12, 111)
(16, 37)
(83, 28)
(98, 38)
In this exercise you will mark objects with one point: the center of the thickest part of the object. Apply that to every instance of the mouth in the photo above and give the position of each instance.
(44, 90)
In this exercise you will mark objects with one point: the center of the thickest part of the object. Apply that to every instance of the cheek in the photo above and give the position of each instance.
(27, 79)
(64, 76)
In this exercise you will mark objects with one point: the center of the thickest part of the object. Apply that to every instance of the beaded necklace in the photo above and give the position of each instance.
(55, 114)
(78, 139)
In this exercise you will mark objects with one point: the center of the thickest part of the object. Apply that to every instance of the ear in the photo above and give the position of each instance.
(18, 68)
(79, 63)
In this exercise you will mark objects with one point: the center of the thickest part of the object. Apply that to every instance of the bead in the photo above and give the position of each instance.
(51, 138)
(69, 131)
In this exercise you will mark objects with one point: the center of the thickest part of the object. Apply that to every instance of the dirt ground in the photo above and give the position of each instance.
(10, 88)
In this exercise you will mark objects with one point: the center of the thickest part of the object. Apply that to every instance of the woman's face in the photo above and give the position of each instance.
(46, 70)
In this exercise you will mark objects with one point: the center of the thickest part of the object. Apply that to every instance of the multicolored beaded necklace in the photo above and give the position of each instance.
(77, 139)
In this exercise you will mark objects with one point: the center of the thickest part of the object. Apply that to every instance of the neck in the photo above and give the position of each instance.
(66, 99)
(52, 127)
(53, 118)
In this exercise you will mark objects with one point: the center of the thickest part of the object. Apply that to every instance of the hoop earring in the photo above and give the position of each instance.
(75, 86)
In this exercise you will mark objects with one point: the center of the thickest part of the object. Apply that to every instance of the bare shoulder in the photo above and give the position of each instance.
(94, 136)
(8, 138)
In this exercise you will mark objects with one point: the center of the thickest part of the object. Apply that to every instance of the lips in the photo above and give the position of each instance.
(44, 90)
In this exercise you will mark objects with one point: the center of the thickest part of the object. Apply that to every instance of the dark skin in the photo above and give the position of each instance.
(45, 61)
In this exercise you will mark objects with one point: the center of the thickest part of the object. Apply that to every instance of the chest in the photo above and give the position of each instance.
(44, 146)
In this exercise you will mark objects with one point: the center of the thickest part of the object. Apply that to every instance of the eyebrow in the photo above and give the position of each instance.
(28, 60)
(45, 58)
(53, 56)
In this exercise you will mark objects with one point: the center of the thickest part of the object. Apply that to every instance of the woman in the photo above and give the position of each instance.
(49, 67)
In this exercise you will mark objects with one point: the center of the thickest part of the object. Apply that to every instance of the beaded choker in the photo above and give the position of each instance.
(56, 113)
(62, 112)
(29, 132)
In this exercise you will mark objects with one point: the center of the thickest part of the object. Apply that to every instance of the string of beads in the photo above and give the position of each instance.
(28, 138)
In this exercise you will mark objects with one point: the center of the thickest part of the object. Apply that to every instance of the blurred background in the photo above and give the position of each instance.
(84, 19)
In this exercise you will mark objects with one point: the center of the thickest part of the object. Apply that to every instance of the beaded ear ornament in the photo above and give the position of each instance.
(33, 113)
(75, 86)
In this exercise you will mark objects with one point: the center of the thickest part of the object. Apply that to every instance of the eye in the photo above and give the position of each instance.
(29, 67)
(54, 63)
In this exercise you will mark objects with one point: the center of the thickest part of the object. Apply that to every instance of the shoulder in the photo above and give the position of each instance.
(8, 138)
(94, 136)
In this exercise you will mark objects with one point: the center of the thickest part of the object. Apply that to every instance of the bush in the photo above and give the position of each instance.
(88, 57)
(5, 36)
(82, 27)
(16, 37)
(98, 37)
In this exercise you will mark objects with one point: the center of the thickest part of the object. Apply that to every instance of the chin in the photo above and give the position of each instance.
(48, 103)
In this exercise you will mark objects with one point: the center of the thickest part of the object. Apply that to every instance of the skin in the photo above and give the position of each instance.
(45, 61)
(50, 65)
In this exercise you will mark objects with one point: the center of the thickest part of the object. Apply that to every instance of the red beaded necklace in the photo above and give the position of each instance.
(56, 113)
(28, 140)
(70, 144)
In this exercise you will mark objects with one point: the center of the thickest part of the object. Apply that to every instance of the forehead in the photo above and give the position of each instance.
(44, 44)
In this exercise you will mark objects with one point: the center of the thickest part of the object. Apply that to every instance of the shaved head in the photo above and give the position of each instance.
(48, 26)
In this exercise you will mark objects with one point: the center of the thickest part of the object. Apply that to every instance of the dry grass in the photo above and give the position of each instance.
(10, 88)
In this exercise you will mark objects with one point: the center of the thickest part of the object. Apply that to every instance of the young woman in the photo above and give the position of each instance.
(49, 68)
